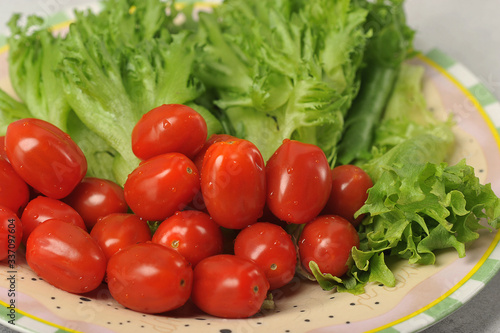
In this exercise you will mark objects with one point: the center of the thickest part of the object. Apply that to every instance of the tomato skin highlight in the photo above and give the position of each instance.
(117, 231)
(169, 128)
(350, 184)
(328, 240)
(270, 247)
(11, 232)
(65, 256)
(162, 185)
(191, 233)
(149, 278)
(41, 209)
(214, 138)
(94, 198)
(14, 192)
(228, 286)
(233, 183)
(298, 182)
(45, 157)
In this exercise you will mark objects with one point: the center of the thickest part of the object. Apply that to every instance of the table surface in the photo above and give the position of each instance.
(465, 30)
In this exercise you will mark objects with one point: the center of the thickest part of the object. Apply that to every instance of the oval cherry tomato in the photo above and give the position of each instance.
(169, 128)
(65, 256)
(14, 192)
(328, 240)
(191, 233)
(298, 181)
(117, 231)
(149, 278)
(11, 233)
(45, 157)
(233, 183)
(42, 209)
(228, 286)
(198, 159)
(350, 186)
(94, 198)
(162, 185)
(270, 247)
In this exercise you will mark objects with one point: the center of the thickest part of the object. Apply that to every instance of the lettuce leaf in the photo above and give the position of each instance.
(283, 69)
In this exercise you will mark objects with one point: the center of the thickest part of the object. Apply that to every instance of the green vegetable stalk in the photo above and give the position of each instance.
(386, 50)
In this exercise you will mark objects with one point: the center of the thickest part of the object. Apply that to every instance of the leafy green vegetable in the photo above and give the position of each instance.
(419, 203)
(283, 69)
(97, 81)
(33, 60)
(389, 46)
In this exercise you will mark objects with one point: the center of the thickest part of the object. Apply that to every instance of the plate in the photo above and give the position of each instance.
(422, 296)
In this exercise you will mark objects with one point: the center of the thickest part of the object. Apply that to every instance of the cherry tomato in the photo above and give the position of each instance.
(11, 233)
(14, 192)
(45, 157)
(149, 278)
(298, 181)
(94, 198)
(233, 183)
(117, 231)
(198, 159)
(3, 153)
(65, 256)
(191, 233)
(42, 209)
(162, 185)
(169, 128)
(350, 186)
(228, 286)
(270, 247)
(328, 240)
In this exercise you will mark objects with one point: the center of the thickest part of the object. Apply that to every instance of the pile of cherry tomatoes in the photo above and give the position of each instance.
(220, 210)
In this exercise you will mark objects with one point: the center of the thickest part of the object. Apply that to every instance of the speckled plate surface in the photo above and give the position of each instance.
(422, 295)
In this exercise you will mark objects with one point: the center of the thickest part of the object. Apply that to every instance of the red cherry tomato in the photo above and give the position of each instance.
(350, 186)
(65, 256)
(42, 209)
(198, 159)
(3, 153)
(233, 183)
(270, 247)
(117, 231)
(162, 185)
(228, 286)
(169, 128)
(328, 240)
(298, 181)
(191, 233)
(45, 157)
(11, 233)
(14, 192)
(94, 198)
(149, 278)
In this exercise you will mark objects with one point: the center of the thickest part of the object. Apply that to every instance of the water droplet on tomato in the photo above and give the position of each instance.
(166, 123)
(295, 203)
(289, 170)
